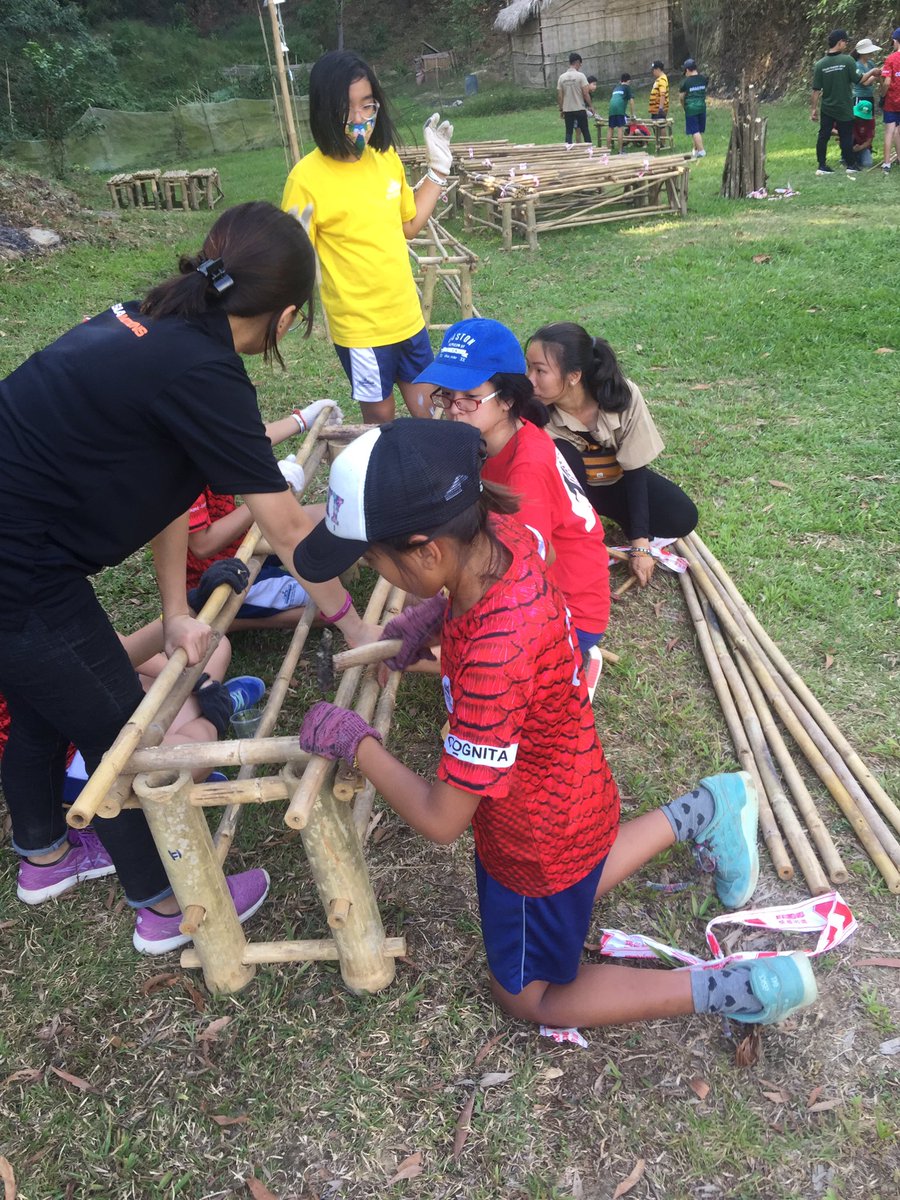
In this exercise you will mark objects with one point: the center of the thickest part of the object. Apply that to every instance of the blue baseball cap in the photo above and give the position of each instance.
(472, 351)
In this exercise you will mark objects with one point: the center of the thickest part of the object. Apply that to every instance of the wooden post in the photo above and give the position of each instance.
(338, 865)
(186, 849)
(531, 224)
(286, 105)
(506, 225)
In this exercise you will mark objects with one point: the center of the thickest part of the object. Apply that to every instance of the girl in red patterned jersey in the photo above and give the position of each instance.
(521, 762)
(490, 390)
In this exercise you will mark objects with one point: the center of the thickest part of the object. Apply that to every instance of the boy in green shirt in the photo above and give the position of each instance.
(693, 101)
(833, 80)
(619, 103)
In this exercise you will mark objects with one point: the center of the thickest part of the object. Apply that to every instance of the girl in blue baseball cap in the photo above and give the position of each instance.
(480, 377)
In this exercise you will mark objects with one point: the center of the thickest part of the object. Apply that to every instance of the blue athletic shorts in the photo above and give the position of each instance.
(617, 122)
(374, 370)
(587, 641)
(891, 118)
(529, 938)
(695, 124)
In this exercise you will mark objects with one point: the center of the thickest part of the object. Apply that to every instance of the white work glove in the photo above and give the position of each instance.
(293, 472)
(308, 415)
(437, 144)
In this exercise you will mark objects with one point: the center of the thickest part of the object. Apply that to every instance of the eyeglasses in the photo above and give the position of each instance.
(464, 403)
(365, 112)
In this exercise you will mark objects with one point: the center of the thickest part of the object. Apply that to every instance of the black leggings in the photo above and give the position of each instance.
(671, 512)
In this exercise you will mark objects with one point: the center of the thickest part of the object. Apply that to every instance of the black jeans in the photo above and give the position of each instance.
(845, 137)
(65, 684)
(579, 118)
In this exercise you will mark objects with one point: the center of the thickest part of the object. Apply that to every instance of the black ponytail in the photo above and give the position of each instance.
(573, 349)
(523, 404)
(266, 264)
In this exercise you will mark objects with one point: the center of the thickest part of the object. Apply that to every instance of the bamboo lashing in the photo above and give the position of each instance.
(882, 855)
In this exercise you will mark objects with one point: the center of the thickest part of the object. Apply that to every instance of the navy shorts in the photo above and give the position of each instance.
(617, 122)
(695, 124)
(530, 938)
(373, 370)
(891, 118)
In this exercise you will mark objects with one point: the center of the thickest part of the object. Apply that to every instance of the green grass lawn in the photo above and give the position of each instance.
(756, 371)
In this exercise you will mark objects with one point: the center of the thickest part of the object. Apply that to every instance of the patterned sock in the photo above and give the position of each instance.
(725, 991)
(690, 814)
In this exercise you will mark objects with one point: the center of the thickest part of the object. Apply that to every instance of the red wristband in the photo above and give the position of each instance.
(341, 612)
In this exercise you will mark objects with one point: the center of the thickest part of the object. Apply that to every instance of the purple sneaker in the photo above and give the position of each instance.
(155, 934)
(85, 859)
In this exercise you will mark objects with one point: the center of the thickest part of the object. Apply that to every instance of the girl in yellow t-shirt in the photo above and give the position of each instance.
(362, 213)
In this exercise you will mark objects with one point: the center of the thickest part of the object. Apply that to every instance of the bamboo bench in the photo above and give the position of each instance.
(437, 256)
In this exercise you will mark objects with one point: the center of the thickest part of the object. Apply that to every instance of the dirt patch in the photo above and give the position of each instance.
(31, 202)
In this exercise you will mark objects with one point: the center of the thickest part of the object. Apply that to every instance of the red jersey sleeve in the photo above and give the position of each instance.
(488, 692)
(198, 516)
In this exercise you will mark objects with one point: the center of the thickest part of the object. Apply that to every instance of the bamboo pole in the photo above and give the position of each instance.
(831, 859)
(224, 836)
(310, 950)
(195, 756)
(384, 712)
(318, 768)
(843, 748)
(818, 737)
(335, 855)
(781, 807)
(861, 826)
(767, 825)
(187, 853)
(287, 107)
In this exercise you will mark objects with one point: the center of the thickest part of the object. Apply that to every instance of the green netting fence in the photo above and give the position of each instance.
(106, 139)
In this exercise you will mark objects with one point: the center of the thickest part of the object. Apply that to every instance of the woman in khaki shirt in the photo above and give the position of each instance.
(604, 430)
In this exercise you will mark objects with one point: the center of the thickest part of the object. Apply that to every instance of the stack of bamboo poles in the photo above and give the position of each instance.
(438, 256)
(755, 684)
(532, 190)
(745, 162)
(138, 771)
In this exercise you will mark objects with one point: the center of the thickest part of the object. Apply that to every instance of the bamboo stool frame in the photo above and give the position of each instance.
(176, 190)
(662, 134)
(437, 256)
(138, 771)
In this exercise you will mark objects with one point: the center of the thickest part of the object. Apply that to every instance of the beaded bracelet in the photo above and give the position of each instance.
(435, 178)
(640, 550)
(341, 612)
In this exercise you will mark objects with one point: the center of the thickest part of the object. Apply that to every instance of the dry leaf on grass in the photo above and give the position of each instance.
(748, 1050)
(226, 1121)
(778, 1097)
(8, 1176)
(156, 982)
(829, 661)
(884, 350)
(671, 644)
(776, 483)
(258, 1190)
(701, 387)
(197, 998)
(762, 258)
(75, 1080)
(463, 1126)
(813, 1096)
(213, 1029)
(878, 962)
(409, 1168)
(891, 1046)
(495, 1078)
(699, 1087)
(487, 1048)
(824, 1106)
(549, 1073)
(628, 1183)
(23, 1075)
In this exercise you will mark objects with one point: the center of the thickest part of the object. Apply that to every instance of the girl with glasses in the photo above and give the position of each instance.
(360, 211)
(481, 373)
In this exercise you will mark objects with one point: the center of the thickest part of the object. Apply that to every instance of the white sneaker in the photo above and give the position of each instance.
(699, 154)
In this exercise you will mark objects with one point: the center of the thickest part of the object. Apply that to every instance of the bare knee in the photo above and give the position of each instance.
(524, 1005)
